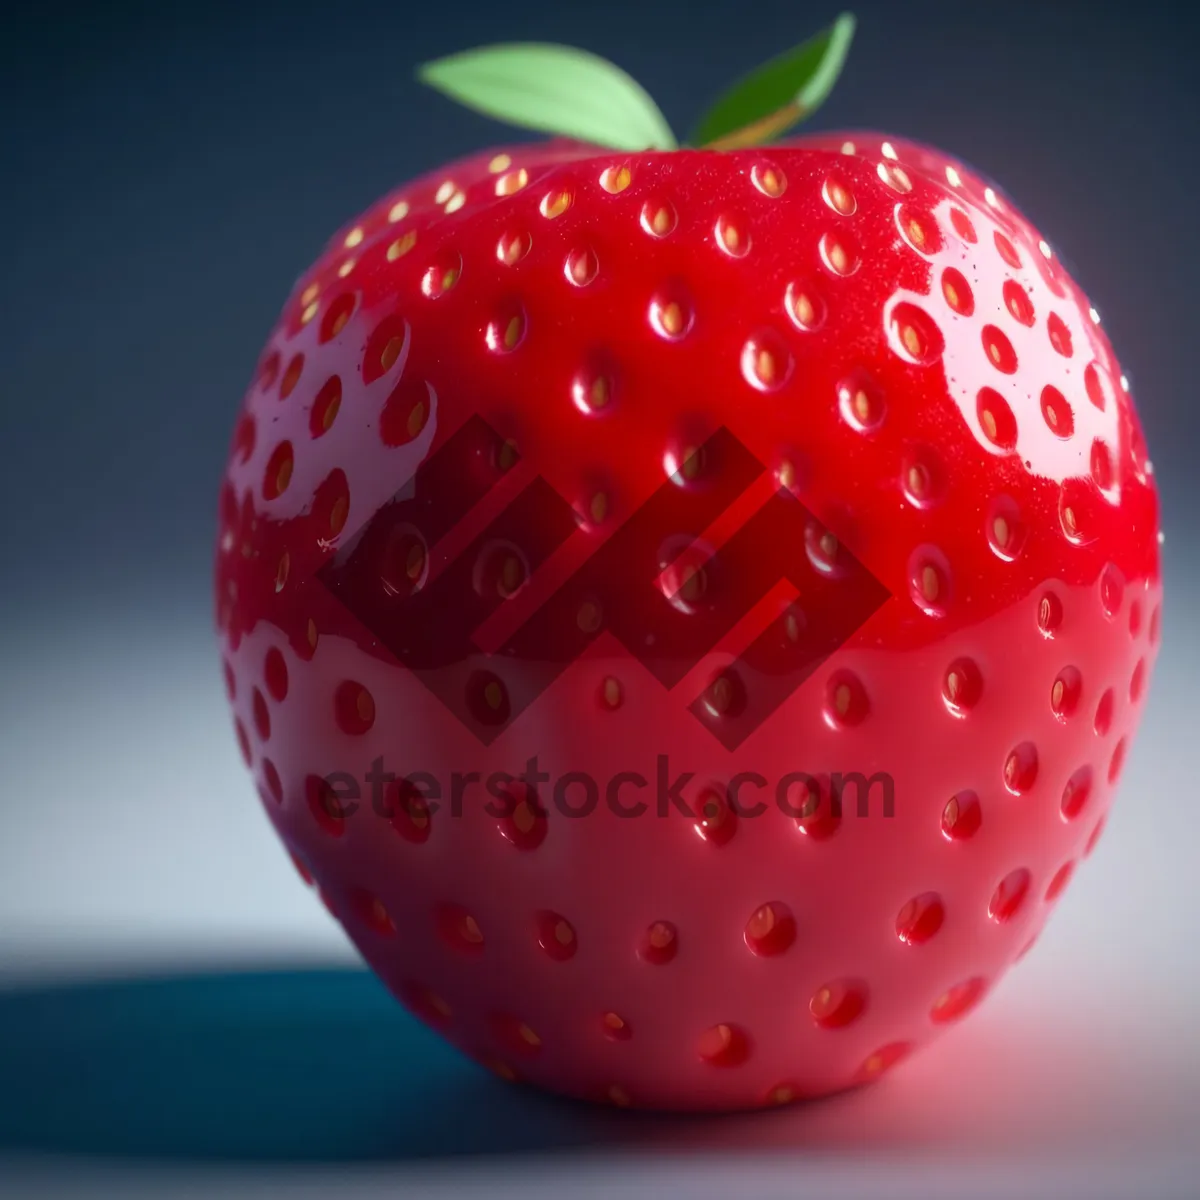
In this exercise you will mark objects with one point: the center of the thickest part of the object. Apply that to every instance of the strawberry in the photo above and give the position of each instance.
(807, 507)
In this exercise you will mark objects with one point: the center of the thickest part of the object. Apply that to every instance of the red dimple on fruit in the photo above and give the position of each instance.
(896, 343)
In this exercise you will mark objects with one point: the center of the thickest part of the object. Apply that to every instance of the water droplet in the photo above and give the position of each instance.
(581, 267)
(512, 182)
(804, 305)
(670, 316)
(914, 335)
(616, 179)
(658, 218)
(838, 196)
(861, 404)
(732, 236)
(769, 179)
(555, 203)
(839, 253)
(1057, 412)
(505, 333)
(766, 362)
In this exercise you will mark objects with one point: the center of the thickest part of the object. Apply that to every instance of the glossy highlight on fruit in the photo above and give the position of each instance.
(905, 356)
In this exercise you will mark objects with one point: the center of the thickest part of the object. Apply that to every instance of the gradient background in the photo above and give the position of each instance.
(165, 173)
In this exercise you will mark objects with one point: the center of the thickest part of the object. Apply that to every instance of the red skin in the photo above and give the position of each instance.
(612, 879)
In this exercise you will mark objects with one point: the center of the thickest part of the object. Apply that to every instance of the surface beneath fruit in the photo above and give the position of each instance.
(225, 1021)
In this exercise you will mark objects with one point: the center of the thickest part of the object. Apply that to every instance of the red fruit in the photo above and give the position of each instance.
(906, 356)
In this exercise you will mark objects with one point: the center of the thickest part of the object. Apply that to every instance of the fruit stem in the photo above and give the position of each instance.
(575, 94)
(759, 132)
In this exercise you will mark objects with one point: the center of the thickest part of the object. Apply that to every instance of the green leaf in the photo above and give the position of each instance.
(553, 89)
(780, 93)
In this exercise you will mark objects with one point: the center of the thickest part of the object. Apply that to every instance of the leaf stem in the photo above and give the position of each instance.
(760, 131)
